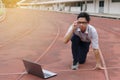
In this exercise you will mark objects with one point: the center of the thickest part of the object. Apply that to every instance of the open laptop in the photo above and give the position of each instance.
(36, 69)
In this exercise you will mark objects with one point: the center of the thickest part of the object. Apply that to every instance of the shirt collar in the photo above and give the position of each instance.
(86, 31)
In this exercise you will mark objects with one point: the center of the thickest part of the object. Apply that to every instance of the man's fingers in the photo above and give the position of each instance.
(75, 23)
(99, 68)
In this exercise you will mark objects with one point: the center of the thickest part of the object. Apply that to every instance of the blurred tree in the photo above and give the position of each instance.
(10, 3)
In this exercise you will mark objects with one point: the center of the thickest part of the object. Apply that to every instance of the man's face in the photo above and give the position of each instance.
(82, 23)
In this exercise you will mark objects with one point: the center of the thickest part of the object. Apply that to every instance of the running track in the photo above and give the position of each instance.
(37, 36)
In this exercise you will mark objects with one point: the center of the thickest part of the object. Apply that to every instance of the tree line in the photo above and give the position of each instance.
(10, 3)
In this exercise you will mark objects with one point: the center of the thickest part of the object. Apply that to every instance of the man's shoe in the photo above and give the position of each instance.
(75, 66)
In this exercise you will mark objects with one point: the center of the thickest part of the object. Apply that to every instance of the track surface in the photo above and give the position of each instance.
(37, 36)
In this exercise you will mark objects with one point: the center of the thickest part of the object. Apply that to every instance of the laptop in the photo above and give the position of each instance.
(36, 69)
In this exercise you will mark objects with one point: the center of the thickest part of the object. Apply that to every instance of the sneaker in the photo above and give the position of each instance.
(75, 66)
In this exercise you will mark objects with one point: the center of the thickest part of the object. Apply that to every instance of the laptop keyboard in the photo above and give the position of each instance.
(47, 75)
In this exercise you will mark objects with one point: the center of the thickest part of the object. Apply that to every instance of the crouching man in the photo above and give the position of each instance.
(82, 34)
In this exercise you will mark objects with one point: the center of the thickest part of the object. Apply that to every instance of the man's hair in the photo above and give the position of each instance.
(84, 15)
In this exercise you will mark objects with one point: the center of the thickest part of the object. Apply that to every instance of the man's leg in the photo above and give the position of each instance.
(83, 50)
(75, 46)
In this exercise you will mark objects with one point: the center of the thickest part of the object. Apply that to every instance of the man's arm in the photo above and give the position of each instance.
(98, 60)
(70, 31)
(69, 34)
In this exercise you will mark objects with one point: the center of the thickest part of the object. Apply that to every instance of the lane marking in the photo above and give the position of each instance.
(48, 48)
(104, 65)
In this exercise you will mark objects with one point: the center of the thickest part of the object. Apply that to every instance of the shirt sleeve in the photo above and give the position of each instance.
(94, 40)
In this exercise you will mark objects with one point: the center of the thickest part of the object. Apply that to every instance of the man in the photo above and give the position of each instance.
(81, 34)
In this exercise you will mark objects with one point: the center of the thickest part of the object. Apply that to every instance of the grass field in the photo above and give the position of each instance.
(1, 11)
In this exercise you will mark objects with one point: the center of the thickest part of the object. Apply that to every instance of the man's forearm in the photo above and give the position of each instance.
(97, 56)
(68, 35)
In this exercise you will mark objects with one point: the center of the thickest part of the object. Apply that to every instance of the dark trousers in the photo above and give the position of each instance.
(79, 49)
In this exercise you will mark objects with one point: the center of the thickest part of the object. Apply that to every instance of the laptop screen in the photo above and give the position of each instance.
(36, 69)
(33, 68)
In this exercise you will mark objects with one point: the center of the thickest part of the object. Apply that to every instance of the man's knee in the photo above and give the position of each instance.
(81, 62)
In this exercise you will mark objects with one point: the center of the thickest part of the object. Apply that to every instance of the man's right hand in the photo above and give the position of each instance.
(75, 24)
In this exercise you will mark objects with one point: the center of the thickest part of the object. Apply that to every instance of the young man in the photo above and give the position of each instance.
(81, 34)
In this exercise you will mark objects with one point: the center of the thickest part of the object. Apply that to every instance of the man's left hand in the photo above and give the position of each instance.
(98, 67)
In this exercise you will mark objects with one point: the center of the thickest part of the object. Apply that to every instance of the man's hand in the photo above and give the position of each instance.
(70, 31)
(75, 24)
(98, 67)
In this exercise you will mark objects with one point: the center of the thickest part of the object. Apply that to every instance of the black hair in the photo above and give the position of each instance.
(84, 15)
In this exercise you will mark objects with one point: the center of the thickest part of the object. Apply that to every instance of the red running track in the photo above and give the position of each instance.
(37, 36)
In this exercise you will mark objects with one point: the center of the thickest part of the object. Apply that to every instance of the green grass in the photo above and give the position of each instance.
(1, 12)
